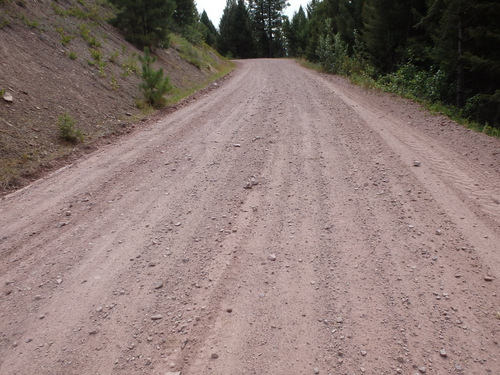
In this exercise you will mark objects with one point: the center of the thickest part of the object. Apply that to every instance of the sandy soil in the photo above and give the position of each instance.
(277, 225)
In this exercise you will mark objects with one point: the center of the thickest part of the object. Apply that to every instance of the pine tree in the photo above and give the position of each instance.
(296, 33)
(267, 17)
(318, 12)
(482, 62)
(387, 25)
(463, 33)
(146, 23)
(153, 85)
(349, 19)
(235, 35)
(210, 32)
(185, 13)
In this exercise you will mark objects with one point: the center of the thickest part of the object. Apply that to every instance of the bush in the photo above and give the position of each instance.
(411, 81)
(154, 85)
(67, 129)
(193, 34)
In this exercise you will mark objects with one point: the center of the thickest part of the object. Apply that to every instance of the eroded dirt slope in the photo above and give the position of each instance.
(64, 58)
(342, 258)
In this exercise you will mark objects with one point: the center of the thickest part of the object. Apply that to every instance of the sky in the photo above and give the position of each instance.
(214, 8)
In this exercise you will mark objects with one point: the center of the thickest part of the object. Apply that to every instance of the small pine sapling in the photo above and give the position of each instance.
(154, 84)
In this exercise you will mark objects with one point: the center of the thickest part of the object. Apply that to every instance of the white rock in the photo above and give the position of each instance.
(8, 97)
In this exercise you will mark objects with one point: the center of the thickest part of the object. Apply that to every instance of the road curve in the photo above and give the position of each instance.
(285, 223)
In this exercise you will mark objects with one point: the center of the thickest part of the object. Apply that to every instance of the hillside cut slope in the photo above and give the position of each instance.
(64, 58)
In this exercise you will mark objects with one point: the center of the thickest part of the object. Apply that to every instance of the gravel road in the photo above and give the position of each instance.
(286, 222)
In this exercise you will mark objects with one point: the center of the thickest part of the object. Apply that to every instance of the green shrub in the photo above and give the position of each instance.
(154, 85)
(130, 66)
(4, 22)
(72, 55)
(114, 83)
(77, 13)
(93, 42)
(67, 129)
(193, 34)
(65, 38)
(114, 56)
(58, 10)
(96, 56)
(97, 61)
(411, 81)
(31, 24)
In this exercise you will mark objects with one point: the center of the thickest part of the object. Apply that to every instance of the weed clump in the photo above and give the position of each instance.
(67, 129)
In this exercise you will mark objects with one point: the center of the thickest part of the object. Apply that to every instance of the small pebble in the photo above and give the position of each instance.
(316, 370)
(442, 353)
(214, 356)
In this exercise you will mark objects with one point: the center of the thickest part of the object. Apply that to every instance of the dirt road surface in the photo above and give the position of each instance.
(285, 223)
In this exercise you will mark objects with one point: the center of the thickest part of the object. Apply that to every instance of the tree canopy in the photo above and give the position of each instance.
(146, 23)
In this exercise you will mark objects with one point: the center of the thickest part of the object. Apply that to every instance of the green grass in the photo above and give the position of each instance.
(58, 10)
(4, 22)
(65, 38)
(178, 94)
(454, 114)
(130, 66)
(187, 51)
(310, 65)
(113, 58)
(32, 24)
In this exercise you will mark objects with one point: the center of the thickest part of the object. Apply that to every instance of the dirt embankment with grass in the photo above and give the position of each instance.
(63, 64)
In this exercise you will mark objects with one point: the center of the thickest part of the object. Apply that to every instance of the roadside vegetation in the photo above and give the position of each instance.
(438, 52)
